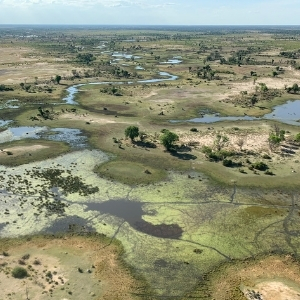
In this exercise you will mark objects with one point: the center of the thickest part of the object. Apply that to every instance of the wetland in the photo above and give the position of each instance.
(211, 214)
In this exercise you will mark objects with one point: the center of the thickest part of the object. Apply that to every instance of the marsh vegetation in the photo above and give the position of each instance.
(183, 144)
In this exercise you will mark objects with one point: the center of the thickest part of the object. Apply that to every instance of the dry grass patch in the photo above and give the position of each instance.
(272, 277)
(67, 267)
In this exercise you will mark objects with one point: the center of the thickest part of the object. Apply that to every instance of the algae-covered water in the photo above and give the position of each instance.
(173, 231)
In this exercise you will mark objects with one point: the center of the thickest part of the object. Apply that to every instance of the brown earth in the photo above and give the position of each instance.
(70, 267)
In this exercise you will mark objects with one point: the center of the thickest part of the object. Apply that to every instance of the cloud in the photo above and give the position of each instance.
(85, 3)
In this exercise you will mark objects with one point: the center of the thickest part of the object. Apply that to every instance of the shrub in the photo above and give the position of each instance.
(297, 137)
(36, 262)
(206, 150)
(227, 163)
(164, 130)
(225, 153)
(269, 173)
(49, 274)
(19, 272)
(260, 166)
(194, 129)
(26, 256)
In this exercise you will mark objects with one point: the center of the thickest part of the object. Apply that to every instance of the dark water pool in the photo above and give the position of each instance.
(132, 212)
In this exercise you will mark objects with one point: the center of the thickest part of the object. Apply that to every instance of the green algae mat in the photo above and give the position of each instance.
(173, 231)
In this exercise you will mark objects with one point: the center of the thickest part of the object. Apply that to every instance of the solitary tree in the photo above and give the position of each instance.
(132, 132)
(168, 139)
(57, 79)
(276, 137)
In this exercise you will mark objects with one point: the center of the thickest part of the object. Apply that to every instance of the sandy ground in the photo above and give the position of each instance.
(288, 79)
(88, 118)
(20, 64)
(274, 290)
(274, 278)
(257, 142)
(66, 268)
(19, 150)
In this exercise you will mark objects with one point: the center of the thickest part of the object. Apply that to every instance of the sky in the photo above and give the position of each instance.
(151, 12)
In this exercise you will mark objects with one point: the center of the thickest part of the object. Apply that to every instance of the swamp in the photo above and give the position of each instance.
(149, 163)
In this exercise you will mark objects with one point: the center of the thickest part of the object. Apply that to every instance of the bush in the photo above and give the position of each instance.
(260, 166)
(227, 163)
(194, 129)
(297, 137)
(269, 173)
(164, 130)
(49, 274)
(19, 272)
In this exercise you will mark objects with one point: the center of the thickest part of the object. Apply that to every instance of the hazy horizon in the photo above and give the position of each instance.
(151, 12)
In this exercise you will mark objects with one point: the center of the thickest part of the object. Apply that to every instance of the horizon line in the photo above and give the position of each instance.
(70, 24)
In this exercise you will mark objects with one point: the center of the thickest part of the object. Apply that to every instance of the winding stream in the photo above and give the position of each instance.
(74, 89)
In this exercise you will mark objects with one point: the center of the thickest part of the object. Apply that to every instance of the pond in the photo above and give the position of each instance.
(288, 113)
(124, 55)
(10, 104)
(4, 123)
(132, 212)
(73, 137)
(172, 61)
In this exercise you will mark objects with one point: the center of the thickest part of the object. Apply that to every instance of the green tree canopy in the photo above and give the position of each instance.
(132, 132)
(168, 139)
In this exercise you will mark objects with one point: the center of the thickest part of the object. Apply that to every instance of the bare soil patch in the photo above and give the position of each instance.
(70, 267)
(273, 277)
(19, 150)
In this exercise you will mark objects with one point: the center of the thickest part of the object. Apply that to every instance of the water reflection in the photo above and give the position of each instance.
(73, 137)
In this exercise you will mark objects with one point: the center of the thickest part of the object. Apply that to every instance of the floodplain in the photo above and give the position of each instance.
(214, 214)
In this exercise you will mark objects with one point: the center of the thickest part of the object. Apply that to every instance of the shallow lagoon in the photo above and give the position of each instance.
(288, 113)
(73, 137)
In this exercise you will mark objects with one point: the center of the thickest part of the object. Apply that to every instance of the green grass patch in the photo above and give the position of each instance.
(132, 173)
(26, 151)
